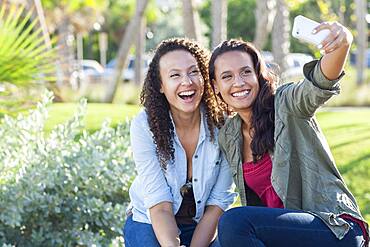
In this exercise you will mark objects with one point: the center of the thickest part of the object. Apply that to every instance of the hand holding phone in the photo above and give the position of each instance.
(303, 30)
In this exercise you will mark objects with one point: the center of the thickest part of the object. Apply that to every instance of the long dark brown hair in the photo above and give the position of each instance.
(157, 106)
(263, 111)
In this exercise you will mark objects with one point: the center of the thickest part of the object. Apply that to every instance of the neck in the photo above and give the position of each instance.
(246, 116)
(185, 121)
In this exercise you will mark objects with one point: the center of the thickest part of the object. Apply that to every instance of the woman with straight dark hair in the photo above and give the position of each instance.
(278, 155)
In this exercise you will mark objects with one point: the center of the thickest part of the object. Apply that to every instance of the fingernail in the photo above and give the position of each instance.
(314, 31)
(319, 46)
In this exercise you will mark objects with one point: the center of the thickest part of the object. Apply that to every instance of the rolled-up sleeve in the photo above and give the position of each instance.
(305, 97)
(153, 182)
(223, 192)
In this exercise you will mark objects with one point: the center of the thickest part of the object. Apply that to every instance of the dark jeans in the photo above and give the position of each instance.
(275, 227)
(137, 234)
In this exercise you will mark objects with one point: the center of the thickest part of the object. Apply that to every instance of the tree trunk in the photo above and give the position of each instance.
(124, 48)
(66, 52)
(219, 21)
(41, 17)
(190, 20)
(140, 50)
(264, 15)
(361, 39)
(103, 47)
(280, 36)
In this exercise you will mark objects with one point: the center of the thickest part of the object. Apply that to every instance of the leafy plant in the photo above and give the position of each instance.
(24, 57)
(67, 188)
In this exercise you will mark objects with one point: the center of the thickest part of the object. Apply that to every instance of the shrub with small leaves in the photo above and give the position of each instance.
(66, 188)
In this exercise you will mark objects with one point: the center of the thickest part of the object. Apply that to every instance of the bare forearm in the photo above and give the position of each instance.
(335, 47)
(165, 227)
(205, 231)
(332, 64)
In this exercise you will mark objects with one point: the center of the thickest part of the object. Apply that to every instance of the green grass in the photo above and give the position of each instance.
(347, 131)
(348, 134)
(352, 94)
(95, 115)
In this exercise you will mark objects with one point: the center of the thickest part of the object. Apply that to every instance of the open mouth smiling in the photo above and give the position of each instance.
(241, 93)
(187, 95)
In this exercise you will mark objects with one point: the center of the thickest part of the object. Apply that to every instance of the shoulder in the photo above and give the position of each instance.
(229, 130)
(140, 122)
(282, 89)
(231, 124)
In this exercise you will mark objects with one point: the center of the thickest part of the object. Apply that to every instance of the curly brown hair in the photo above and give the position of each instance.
(157, 106)
(263, 110)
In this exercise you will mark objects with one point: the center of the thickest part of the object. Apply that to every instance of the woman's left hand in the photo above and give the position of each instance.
(338, 37)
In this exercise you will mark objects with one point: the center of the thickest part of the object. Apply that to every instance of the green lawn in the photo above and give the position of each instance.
(96, 114)
(347, 131)
(348, 134)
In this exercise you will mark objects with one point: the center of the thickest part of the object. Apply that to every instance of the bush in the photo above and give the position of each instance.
(68, 188)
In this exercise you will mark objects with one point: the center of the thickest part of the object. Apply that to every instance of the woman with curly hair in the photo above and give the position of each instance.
(279, 158)
(183, 183)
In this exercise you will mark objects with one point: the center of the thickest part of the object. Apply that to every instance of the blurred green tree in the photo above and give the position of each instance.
(66, 19)
(240, 18)
(25, 59)
(241, 21)
(116, 17)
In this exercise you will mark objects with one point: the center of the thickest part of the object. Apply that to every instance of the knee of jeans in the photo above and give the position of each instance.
(231, 220)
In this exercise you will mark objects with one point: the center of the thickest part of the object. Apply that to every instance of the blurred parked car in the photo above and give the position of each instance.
(91, 67)
(352, 58)
(86, 71)
(295, 62)
(129, 73)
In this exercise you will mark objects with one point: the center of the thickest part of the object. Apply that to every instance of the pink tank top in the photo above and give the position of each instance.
(258, 178)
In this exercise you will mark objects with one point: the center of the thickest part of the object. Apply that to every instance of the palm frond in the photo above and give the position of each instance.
(24, 57)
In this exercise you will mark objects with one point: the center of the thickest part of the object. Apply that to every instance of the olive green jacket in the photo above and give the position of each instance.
(304, 174)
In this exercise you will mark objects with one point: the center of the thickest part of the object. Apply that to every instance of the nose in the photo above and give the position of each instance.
(239, 82)
(186, 80)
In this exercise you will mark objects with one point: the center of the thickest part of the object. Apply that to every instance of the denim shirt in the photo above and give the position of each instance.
(212, 181)
(304, 174)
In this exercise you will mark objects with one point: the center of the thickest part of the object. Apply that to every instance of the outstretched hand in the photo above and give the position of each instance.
(339, 36)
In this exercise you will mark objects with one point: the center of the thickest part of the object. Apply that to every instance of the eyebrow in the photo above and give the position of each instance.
(242, 68)
(190, 67)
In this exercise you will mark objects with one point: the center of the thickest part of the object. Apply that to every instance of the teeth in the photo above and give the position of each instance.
(187, 93)
(241, 94)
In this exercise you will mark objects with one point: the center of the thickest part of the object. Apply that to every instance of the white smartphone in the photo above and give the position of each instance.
(302, 30)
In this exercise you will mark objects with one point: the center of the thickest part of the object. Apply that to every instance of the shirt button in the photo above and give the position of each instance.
(199, 201)
(196, 156)
(195, 179)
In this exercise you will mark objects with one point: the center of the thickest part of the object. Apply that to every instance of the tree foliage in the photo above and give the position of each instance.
(24, 57)
(240, 18)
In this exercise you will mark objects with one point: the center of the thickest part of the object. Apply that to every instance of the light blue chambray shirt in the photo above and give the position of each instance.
(212, 181)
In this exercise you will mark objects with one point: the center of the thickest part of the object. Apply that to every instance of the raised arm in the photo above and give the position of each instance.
(336, 47)
(321, 80)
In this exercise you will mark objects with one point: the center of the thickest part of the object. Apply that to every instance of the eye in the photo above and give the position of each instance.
(194, 72)
(174, 75)
(225, 77)
(246, 72)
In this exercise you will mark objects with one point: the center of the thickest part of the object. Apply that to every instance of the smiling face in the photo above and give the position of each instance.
(236, 80)
(181, 81)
